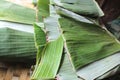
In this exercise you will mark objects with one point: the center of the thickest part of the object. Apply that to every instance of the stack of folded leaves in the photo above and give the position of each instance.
(70, 43)
(16, 45)
(16, 33)
(88, 49)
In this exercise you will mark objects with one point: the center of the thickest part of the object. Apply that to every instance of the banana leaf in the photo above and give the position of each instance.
(86, 42)
(52, 28)
(16, 13)
(83, 7)
(52, 48)
(66, 71)
(17, 26)
(43, 8)
(50, 19)
(16, 46)
(92, 71)
(110, 73)
(50, 61)
(40, 41)
(100, 69)
(71, 14)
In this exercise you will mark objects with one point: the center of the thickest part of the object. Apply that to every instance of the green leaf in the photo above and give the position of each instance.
(40, 40)
(82, 7)
(17, 26)
(86, 42)
(52, 25)
(101, 68)
(17, 46)
(66, 71)
(71, 14)
(50, 60)
(16, 13)
(52, 28)
(43, 7)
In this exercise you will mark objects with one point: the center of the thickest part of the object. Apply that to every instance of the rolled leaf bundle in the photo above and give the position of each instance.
(16, 46)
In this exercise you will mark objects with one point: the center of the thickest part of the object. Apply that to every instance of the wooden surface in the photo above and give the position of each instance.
(14, 72)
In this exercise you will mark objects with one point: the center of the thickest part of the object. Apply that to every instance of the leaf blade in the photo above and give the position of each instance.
(53, 53)
(83, 7)
(40, 41)
(66, 71)
(16, 46)
(43, 7)
(16, 13)
(89, 42)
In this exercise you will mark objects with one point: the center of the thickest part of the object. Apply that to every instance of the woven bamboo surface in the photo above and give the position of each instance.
(14, 72)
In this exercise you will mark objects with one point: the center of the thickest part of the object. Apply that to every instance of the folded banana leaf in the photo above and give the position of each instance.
(86, 42)
(43, 7)
(17, 26)
(84, 7)
(50, 61)
(100, 69)
(52, 25)
(66, 71)
(40, 41)
(16, 46)
(50, 51)
(16, 13)
(113, 74)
